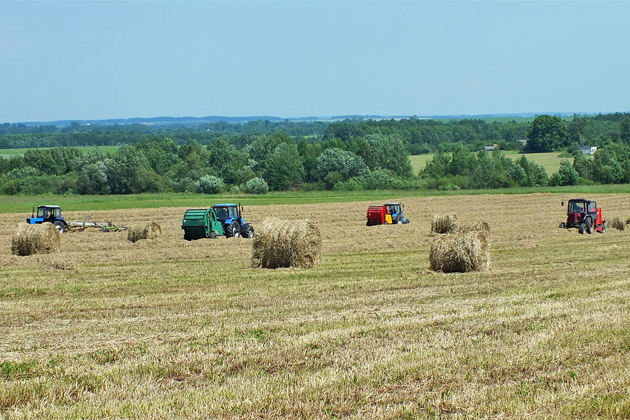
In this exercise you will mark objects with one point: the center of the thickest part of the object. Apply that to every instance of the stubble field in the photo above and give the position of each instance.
(177, 329)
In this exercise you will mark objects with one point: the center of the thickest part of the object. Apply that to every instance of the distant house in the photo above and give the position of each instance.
(490, 148)
(522, 141)
(588, 150)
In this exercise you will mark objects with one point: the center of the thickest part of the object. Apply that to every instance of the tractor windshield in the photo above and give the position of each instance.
(592, 206)
(47, 212)
(221, 212)
(576, 207)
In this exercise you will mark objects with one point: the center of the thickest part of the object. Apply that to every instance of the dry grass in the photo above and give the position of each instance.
(460, 253)
(287, 243)
(178, 329)
(29, 239)
(618, 223)
(151, 230)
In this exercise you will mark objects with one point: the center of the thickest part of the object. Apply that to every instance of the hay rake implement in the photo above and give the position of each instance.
(102, 226)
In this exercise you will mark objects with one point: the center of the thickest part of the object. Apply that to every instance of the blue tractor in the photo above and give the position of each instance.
(229, 215)
(51, 214)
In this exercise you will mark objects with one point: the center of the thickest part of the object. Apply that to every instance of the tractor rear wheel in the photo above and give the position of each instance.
(233, 230)
(589, 225)
(59, 225)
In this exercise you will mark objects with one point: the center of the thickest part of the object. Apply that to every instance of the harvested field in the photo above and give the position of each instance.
(175, 329)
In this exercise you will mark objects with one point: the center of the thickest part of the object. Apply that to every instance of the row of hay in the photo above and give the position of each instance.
(151, 230)
(286, 243)
(30, 239)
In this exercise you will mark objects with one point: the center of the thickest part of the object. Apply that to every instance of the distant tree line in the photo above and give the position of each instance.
(464, 168)
(251, 164)
(353, 154)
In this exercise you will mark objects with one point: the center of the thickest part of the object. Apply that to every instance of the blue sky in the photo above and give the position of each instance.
(113, 59)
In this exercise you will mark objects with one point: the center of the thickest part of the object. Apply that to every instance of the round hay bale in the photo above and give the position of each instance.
(43, 238)
(460, 253)
(478, 226)
(618, 223)
(444, 223)
(286, 243)
(151, 230)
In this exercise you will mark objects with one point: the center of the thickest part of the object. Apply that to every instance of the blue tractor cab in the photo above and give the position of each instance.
(230, 216)
(395, 210)
(51, 214)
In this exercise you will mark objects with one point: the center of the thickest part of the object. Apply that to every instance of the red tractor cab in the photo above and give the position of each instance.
(584, 215)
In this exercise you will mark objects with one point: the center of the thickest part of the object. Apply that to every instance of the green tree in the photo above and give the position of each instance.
(390, 153)
(346, 164)
(624, 128)
(256, 186)
(546, 134)
(567, 173)
(285, 167)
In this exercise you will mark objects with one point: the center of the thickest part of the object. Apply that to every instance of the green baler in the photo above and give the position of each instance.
(201, 223)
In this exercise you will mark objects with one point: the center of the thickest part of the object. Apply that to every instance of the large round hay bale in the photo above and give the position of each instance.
(618, 223)
(444, 223)
(460, 253)
(151, 230)
(286, 243)
(29, 239)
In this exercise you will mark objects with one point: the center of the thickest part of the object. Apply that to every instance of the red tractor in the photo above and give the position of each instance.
(584, 215)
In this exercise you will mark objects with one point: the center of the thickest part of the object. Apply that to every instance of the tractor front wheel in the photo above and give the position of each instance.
(247, 231)
(582, 228)
(59, 225)
(562, 225)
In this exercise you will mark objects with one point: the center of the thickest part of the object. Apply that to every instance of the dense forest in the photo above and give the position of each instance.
(352, 154)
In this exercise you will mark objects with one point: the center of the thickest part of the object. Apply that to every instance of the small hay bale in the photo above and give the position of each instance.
(43, 238)
(286, 243)
(151, 230)
(618, 223)
(460, 253)
(444, 223)
(478, 226)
